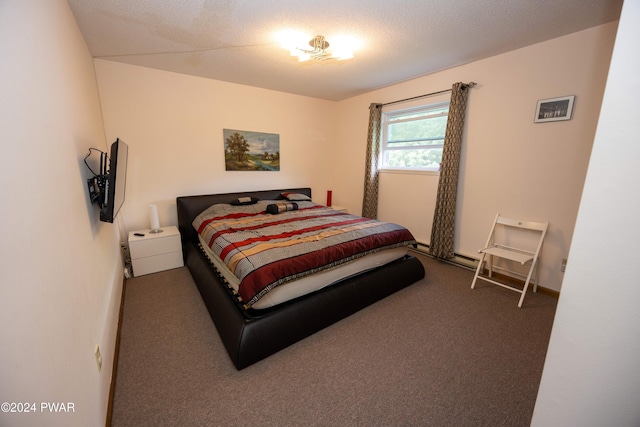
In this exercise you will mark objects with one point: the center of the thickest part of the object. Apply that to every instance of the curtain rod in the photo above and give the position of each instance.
(470, 84)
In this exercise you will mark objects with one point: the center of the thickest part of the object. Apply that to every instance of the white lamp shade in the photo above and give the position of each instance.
(154, 219)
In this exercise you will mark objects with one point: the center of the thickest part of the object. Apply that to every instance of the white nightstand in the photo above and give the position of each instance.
(339, 208)
(151, 253)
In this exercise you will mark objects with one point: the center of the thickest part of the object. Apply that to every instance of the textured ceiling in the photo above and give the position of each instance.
(234, 40)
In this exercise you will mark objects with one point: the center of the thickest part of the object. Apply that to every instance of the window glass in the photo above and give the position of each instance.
(413, 138)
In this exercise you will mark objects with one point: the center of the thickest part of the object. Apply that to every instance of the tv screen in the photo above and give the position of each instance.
(115, 182)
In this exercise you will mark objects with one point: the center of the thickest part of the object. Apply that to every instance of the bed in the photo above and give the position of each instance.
(252, 330)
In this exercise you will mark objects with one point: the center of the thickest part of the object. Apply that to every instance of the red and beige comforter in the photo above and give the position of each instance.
(266, 250)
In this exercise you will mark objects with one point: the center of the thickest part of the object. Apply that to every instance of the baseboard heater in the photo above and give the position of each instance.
(457, 259)
(472, 264)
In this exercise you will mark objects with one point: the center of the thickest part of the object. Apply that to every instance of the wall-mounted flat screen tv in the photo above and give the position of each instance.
(115, 181)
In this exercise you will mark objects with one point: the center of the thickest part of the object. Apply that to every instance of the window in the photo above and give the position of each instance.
(413, 138)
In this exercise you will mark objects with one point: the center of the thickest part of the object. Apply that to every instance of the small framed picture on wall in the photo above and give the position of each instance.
(554, 109)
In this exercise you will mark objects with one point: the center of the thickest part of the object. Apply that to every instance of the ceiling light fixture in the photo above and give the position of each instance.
(319, 52)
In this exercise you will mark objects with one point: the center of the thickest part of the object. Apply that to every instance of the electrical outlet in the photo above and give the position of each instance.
(98, 358)
(563, 266)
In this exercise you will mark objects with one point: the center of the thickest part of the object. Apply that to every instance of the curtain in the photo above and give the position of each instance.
(371, 174)
(443, 229)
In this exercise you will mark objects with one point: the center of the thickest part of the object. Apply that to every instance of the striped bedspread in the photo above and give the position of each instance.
(265, 250)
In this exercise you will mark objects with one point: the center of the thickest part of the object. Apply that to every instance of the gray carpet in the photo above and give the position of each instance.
(434, 354)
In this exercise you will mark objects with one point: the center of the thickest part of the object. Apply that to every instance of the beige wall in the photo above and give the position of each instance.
(509, 164)
(61, 269)
(173, 125)
(591, 375)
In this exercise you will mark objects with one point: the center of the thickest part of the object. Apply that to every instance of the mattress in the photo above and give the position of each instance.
(312, 283)
(267, 250)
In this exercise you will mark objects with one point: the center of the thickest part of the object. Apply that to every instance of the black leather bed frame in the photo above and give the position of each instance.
(251, 335)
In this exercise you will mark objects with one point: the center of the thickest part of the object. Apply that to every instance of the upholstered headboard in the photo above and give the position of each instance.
(190, 206)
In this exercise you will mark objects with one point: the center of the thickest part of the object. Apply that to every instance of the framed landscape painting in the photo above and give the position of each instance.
(554, 109)
(251, 151)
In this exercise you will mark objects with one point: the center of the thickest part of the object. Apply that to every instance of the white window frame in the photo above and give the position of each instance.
(387, 117)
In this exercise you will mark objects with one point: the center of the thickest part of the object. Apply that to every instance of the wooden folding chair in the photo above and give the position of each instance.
(500, 245)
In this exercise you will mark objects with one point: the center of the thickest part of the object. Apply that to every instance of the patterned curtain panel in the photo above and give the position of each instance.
(443, 229)
(371, 174)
